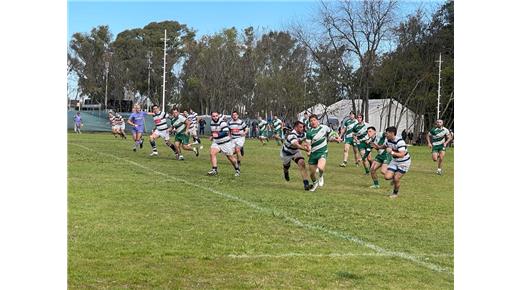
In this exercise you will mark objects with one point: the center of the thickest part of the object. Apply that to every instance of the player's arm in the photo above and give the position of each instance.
(187, 123)
(449, 138)
(428, 139)
(297, 144)
(342, 132)
(131, 123)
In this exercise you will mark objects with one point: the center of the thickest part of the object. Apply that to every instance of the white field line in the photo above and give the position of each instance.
(297, 222)
(331, 255)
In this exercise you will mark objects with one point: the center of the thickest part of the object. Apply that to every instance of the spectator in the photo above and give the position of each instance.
(202, 124)
(254, 128)
(404, 135)
(410, 137)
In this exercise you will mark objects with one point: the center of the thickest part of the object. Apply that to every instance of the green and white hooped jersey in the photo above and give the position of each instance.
(379, 139)
(349, 124)
(179, 124)
(307, 124)
(439, 135)
(262, 125)
(317, 137)
(277, 124)
(360, 130)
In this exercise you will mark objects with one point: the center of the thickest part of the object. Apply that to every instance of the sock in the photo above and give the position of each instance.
(214, 168)
(344, 161)
(367, 171)
(242, 151)
(198, 140)
(154, 146)
(238, 162)
(305, 182)
(172, 146)
(396, 191)
(137, 143)
(376, 182)
(321, 172)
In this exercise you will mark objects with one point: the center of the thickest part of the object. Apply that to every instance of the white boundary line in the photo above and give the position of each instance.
(277, 213)
(331, 255)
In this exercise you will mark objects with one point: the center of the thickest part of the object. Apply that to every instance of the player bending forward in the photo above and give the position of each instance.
(292, 144)
(238, 130)
(401, 161)
(317, 137)
(377, 140)
(220, 135)
(160, 119)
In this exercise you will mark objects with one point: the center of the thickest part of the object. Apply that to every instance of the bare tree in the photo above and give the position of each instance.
(359, 28)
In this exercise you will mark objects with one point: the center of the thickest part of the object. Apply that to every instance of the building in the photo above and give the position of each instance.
(382, 114)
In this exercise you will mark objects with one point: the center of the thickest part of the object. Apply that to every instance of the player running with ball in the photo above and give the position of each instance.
(317, 137)
(401, 161)
(292, 144)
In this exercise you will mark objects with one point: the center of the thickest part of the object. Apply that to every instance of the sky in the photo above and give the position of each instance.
(206, 17)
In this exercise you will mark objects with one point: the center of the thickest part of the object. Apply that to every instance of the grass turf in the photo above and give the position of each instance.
(136, 221)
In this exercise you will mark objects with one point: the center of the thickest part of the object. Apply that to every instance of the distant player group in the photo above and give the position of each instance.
(308, 135)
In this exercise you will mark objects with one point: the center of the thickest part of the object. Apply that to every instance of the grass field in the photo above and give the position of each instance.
(136, 221)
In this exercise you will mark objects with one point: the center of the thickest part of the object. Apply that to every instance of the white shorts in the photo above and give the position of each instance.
(227, 148)
(115, 127)
(164, 134)
(239, 142)
(287, 158)
(193, 131)
(122, 126)
(402, 167)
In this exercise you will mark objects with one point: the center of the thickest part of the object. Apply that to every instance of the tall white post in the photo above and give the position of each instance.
(164, 73)
(439, 88)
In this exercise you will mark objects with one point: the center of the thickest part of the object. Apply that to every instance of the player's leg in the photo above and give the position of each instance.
(238, 154)
(373, 173)
(153, 137)
(440, 159)
(312, 174)
(229, 149)
(364, 155)
(346, 148)
(303, 172)
(397, 183)
(122, 131)
(135, 138)
(179, 150)
(321, 170)
(357, 157)
(214, 150)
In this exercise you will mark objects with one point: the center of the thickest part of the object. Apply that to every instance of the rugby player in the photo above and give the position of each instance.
(401, 161)
(346, 134)
(377, 140)
(179, 126)
(292, 144)
(239, 131)
(317, 137)
(160, 119)
(220, 135)
(136, 120)
(438, 139)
